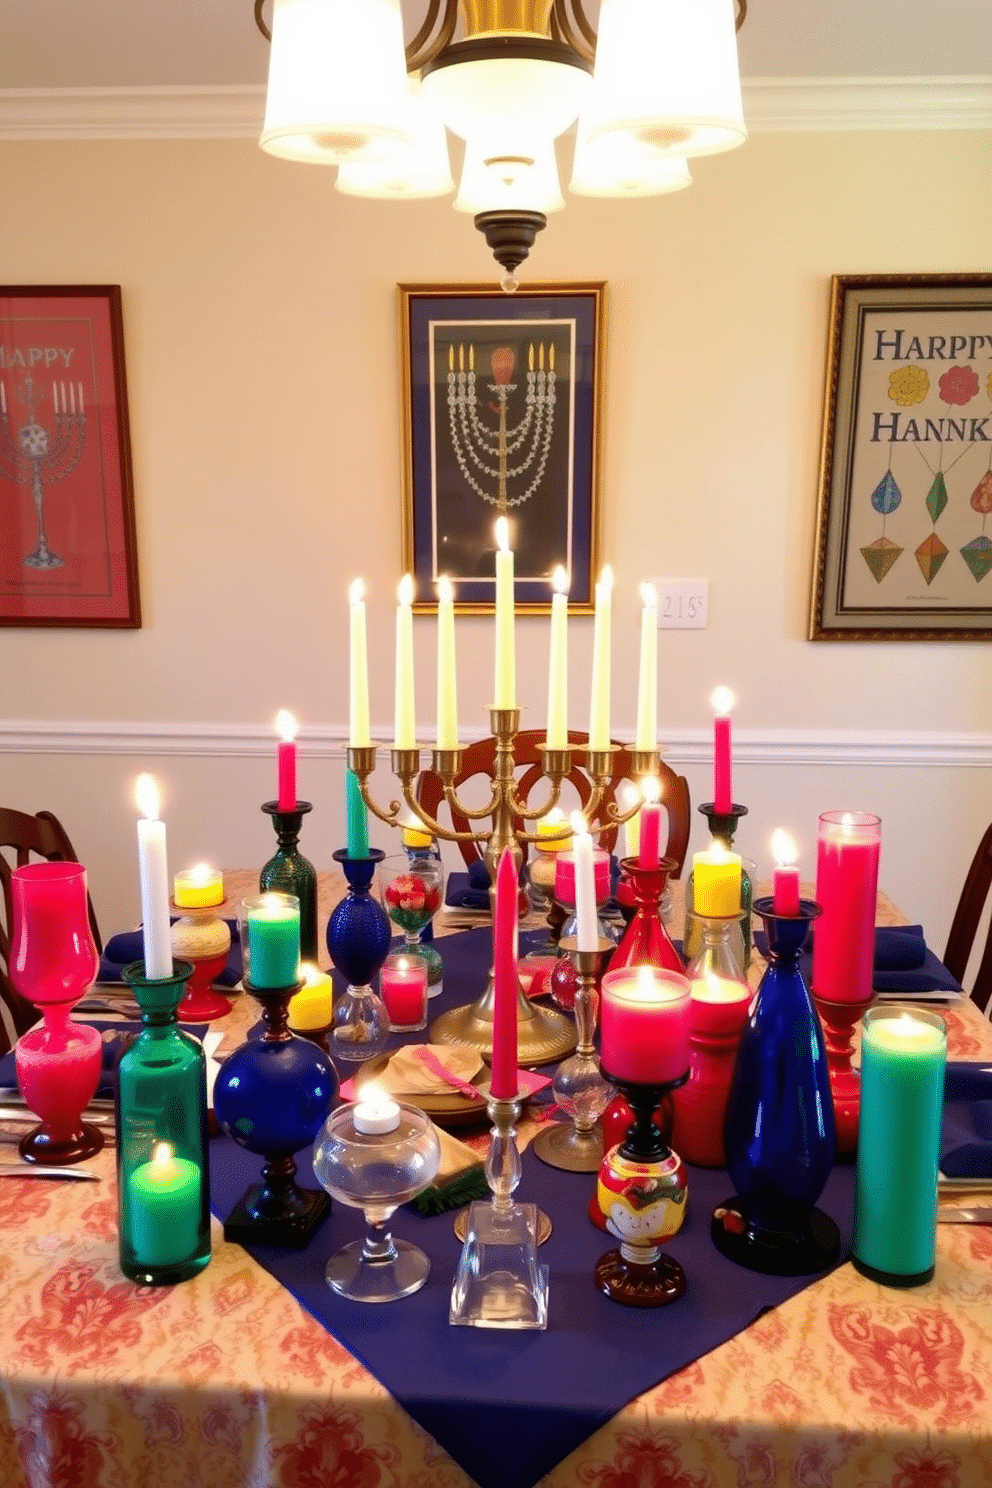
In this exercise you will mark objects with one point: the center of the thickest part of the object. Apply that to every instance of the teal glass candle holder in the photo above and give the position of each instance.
(903, 1059)
(163, 1176)
(289, 872)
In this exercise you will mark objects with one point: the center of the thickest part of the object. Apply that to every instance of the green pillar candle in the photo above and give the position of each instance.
(357, 818)
(903, 1054)
(164, 1199)
(272, 923)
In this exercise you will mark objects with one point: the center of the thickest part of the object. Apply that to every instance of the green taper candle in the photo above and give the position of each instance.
(357, 817)
(903, 1055)
(272, 924)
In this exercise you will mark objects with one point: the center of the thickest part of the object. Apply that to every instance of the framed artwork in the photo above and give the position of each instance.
(501, 410)
(67, 544)
(904, 536)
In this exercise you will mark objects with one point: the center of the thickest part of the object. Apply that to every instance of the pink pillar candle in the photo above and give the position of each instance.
(649, 851)
(847, 856)
(403, 986)
(645, 1021)
(565, 876)
(505, 981)
(719, 1006)
(785, 889)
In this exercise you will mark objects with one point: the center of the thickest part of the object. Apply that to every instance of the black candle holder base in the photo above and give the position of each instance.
(302, 1213)
(41, 1146)
(654, 1285)
(779, 1252)
(893, 1278)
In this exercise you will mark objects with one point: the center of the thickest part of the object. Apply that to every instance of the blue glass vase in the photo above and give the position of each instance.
(780, 1136)
(272, 1096)
(358, 937)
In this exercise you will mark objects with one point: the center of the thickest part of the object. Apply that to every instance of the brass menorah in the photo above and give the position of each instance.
(544, 1036)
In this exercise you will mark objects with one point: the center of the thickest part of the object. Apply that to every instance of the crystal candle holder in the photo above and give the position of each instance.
(578, 1087)
(411, 887)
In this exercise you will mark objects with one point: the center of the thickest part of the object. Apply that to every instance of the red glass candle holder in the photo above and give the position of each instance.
(53, 962)
(645, 941)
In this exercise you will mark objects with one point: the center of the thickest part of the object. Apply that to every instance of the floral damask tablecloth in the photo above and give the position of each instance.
(226, 1382)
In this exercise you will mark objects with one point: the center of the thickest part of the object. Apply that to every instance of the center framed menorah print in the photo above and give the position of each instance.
(501, 409)
(67, 541)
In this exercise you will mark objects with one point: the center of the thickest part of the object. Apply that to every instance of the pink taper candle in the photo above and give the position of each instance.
(723, 790)
(286, 726)
(649, 850)
(505, 981)
(785, 879)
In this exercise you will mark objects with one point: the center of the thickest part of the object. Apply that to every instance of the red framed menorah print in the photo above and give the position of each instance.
(67, 542)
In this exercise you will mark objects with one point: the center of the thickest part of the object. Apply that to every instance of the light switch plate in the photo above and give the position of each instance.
(683, 604)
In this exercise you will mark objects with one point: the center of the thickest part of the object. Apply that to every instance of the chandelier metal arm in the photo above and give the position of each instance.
(259, 22)
(421, 49)
(570, 24)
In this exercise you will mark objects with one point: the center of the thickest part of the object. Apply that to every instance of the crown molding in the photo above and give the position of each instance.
(791, 748)
(235, 112)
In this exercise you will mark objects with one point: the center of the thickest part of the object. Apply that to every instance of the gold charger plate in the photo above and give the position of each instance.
(450, 1108)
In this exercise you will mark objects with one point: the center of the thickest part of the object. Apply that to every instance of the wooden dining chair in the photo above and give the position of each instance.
(964, 926)
(23, 837)
(479, 759)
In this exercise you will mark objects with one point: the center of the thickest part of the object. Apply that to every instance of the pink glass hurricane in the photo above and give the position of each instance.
(53, 961)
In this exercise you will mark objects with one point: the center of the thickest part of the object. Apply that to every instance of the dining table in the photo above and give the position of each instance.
(229, 1381)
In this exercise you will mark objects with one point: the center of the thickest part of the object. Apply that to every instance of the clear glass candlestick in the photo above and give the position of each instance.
(376, 1171)
(578, 1086)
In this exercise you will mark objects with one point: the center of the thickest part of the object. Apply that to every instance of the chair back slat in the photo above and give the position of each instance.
(964, 926)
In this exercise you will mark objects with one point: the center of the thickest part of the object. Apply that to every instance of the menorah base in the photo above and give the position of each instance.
(543, 1038)
(43, 558)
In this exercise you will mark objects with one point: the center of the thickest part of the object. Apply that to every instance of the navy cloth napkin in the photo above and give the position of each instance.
(510, 1406)
(117, 1037)
(966, 1141)
(903, 961)
(122, 949)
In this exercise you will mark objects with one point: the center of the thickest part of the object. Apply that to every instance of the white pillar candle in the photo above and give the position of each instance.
(599, 708)
(406, 732)
(647, 687)
(153, 869)
(359, 731)
(447, 687)
(505, 695)
(587, 923)
(558, 663)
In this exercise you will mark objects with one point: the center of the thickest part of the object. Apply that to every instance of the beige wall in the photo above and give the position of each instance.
(260, 330)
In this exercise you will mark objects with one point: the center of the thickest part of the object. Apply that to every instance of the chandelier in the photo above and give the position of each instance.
(655, 84)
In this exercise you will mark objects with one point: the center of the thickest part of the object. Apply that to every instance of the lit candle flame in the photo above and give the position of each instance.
(146, 796)
(651, 788)
(445, 590)
(311, 973)
(606, 576)
(649, 596)
(722, 701)
(356, 592)
(560, 580)
(717, 852)
(783, 848)
(502, 534)
(645, 981)
(285, 726)
(404, 592)
(579, 823)
(201, 875)
(162, 1155)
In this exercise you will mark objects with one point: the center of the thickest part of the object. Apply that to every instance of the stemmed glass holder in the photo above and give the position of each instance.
(840, 1021)
(498, 1282)
(289, 872)
(579, 1089)
(645, 941)
(543, 1035)
(723, 826)
(272, 1095)
(358, 937)
(639, 1273)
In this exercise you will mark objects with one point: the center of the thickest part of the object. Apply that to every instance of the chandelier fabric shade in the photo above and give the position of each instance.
(618, 165)
(411, 170)
(510, 180)
(337, 81)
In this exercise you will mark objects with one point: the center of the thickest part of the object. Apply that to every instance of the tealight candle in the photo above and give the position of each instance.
(198, 888)
(716, 882)
(554, 834)
(903, 1057)
(164, 1200)
(403, 988)
(723, 790)
(375, 1114)
(153, 868)
(645, 1020)
(785, 879)
(311, 1007)
(286, 728)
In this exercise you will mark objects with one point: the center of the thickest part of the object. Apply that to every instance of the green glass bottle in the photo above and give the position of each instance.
(163, 1174)
(289, 872)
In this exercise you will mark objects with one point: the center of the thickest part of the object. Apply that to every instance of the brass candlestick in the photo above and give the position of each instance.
(543, 1035)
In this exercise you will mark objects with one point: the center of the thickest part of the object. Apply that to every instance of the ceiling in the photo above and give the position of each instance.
(110, 44)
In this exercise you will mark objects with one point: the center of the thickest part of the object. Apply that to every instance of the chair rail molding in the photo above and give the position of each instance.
(791, 747)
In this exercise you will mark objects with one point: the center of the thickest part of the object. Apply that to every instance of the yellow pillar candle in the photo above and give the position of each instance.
(447, 687)
(359, 734)
(558, 663)
(311, 1007)
(647, 688)
(599, 707)
(505, 695)
(198, 888)
(405, 726)
(553, 832)
(414, 836)
(716, 881)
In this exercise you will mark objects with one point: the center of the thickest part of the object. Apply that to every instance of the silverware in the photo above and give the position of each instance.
(123, 1008)
(978, 1215)
(32, 1170)
(964, 1185)
(102, 1117)
(10, 1095)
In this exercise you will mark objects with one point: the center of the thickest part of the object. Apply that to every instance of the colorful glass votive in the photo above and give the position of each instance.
(716, 878)
(270, 939)
(644, 1025)
(903, 1057)
(403, 988)
(565, 876)
(311, 1007)
(198, 888)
